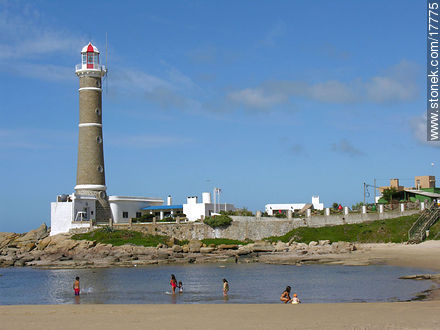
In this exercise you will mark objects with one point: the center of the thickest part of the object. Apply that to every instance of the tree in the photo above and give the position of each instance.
(335, 205)
(388, 193)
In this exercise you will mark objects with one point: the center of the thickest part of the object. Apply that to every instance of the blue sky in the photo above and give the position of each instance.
(273, 101)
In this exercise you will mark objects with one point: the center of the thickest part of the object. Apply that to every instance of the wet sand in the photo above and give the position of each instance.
(398, 315)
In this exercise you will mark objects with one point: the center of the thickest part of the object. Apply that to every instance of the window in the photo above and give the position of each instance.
(98, 111)
(100, 169)
(99, 139)
(138, 214)
(125, 215)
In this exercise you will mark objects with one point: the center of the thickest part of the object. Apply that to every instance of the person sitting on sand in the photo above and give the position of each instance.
(173, 283)
(225, 287)
(180, 287)
(295, 299)
(285, 296)
(76, 286)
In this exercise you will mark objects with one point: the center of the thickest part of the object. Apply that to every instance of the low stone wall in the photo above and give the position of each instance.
(257, 228)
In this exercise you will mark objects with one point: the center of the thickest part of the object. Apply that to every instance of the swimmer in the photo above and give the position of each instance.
(295, 299)
(285, 296)
(76, 286)
(225, 287)
(180, 287)
(173, 283)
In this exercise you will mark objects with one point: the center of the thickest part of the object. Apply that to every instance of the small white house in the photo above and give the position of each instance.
(273, 208)
(195, 211)
(125, 208)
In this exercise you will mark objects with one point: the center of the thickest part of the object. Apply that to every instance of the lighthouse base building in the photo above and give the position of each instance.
(79, 211)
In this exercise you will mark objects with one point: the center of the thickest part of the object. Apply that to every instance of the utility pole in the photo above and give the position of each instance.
(364, 193)
(374, 190)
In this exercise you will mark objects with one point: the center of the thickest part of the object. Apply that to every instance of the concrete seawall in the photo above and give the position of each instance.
(258, 228)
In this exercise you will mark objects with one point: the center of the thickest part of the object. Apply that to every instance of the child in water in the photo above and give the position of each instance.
(285, 296)
(173, 283)
(180, 287)
(295, 299)
(225, 287)
(76, 286)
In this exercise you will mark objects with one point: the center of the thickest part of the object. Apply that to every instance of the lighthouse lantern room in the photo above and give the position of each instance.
(90, 57)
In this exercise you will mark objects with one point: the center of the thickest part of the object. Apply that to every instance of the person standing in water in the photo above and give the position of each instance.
(225, 287)
(76, 286)
(180, 287)
(173, 283)
(285, 296)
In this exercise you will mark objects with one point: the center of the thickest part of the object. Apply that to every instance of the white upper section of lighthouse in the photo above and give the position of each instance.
(90, 62)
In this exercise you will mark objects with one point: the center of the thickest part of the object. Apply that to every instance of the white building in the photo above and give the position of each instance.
(281, 208)
(125, 208)
(77, 211)
(195, 211)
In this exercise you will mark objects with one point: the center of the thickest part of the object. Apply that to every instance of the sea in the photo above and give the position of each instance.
(202, 284)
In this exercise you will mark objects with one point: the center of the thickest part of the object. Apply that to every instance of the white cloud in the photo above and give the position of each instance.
(47, 72)
(25, 36)
(274, 33)
(396, 85)
(33, 139)
(257, 98)
(419, 126)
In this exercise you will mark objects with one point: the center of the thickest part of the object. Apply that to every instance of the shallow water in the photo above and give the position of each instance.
(249, 283)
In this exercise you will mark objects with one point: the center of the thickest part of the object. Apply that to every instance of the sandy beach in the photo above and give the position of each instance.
(398, 315)
(413, 315)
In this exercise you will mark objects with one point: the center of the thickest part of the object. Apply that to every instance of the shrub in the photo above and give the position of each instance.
(167, 219)
(218, 221)
(241, 212)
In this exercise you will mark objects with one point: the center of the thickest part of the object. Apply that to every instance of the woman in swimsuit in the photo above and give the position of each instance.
(173, 283)
(225, 287)
(285, 296)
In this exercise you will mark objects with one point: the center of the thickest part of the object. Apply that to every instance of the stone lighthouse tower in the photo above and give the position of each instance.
(90, 179)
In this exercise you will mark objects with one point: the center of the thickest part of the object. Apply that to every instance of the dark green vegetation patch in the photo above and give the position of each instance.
(381, 231)
(121, 237)
(218, 221)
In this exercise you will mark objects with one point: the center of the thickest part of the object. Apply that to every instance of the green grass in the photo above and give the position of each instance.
(381, 231)
(218, 241)
(121, 237)
(434, 231)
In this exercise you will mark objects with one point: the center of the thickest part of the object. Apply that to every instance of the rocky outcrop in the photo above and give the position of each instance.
(37, 249)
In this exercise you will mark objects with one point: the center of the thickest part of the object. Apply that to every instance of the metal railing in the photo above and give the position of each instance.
(96, 66)
(417, 232)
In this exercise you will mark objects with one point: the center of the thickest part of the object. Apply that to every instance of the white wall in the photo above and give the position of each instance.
(131, 205)
(294, 206)
(271, 207)
(61, 218)
(195, 211)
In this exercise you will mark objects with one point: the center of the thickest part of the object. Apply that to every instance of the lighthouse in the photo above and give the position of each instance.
(90, 177)
(89, 206)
